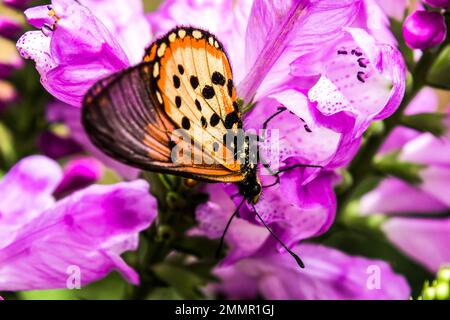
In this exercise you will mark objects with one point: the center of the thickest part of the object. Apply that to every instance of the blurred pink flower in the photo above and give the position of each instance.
(79, 173)
(40, 238)
(59, 112)
(425, 239)
(19, 4)
(424, 29)
(8, 94)
(9, 27)
(329, 275)
(438, 3)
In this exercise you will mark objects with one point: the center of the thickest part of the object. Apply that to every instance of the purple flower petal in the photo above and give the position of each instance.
(56, 147)
(9, 27)
(280, 32)
(226, 19)
(243, 238)
(329, 275)
(88, 230)
(394, 196)
(78, 174)
(127, 22)
(424, 29)
(39, 16)
(357, 78)
(33, 181)
(426, 240)
(395, 9)
(299, 211)
(72, 53)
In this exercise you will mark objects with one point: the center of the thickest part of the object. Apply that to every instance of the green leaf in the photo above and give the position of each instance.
(7, 153)
(200, 247)
(185, 282)
(439, 73)
(389, 165)
(426, 122)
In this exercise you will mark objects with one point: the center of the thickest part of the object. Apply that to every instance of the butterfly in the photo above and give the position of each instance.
(185, 82)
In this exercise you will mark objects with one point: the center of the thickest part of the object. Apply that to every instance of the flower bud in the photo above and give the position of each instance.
(424, 29)
(438, 3)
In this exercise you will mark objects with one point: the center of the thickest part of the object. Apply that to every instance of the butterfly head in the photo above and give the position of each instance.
(250, 188)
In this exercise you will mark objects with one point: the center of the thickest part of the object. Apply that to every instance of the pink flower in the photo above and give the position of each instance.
(81, 42)
(78, 174)
(329, 275)
(424, 235)
(424, 29)
(252, 270)
(41, 239)
(438, 3)
(424, 240)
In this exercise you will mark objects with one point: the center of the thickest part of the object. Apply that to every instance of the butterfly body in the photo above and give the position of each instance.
(185, 82)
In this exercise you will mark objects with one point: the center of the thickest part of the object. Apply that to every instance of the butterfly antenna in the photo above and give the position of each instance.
(294, 255)
(222, 239)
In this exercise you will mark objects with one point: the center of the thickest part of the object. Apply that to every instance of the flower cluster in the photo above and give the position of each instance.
(55, 227)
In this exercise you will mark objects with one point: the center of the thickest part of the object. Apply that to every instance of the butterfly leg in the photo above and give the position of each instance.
(294, 255)
(280, 110)
(276, 114)
(222, 239)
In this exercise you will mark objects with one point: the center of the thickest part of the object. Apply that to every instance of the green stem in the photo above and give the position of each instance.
(175, 217)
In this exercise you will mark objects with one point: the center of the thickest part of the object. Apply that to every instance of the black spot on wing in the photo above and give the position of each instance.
(204, 122)
(215, 119)
(176, 81)
(230, 87)
(178, 101)
(218, 79)
(208, 92)
(231, 119)
(194, 82)
(185, 123)
(198, 105)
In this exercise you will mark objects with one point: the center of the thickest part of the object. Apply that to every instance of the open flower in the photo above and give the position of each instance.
(81, 42)
(40, 238)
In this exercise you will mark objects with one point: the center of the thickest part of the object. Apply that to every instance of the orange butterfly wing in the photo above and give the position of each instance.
(131, 115)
